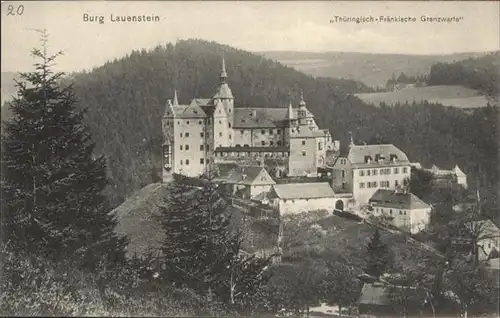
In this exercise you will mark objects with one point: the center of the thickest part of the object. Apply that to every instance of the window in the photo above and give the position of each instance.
(303, 142)
(279, 142)
(187, 122)
(405, 170)
(187, 162)
(271, 143)
(201, 160)
(209, 121)
(303, 153)
(242, 132)
(207, 134)
(229, 136)
(220, 134)
(220, 121)
(208, 161)
(181, 162)
(199, 122)
(375, 184)
(396, 170)
(361, 173)
(320, 147)
(374, 172)
(390, 211)
(384, 184)
(181, 147)
(181, 135)
(278, 131)
(187, 147)
(201, 147)
(187, 135)
(388, 171)
(263, 143)
(343, 174)
(178, 122)
(201, 135)
(208, 147)
(362, 185)
(400, 212)
(396, 183)
(229, 125)
(368, 172)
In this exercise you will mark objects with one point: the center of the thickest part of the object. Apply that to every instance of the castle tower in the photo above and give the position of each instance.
(168, 122)
(290, 125)
(224, 95)
(302, 113)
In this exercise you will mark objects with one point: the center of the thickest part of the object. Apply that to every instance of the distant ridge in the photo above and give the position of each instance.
(373, 69)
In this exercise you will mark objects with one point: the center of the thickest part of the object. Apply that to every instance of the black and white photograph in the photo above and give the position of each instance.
(250, 159)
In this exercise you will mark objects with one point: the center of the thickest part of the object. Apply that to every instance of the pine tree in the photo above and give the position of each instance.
(52, 182)
(378, 254)
(201, 251)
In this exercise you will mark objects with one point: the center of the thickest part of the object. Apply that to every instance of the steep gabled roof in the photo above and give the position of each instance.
(254, 117)
(249, 175)
(303, 190)
(397, 200)
(358, 153)
(308, 132)
(223, 91)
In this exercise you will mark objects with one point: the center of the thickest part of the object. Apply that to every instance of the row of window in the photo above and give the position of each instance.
(263, 132)
(401, 212)
(383, 171)
(202, 147)
(202, 161)
(383, 184)
(271, 143)
(207, 134)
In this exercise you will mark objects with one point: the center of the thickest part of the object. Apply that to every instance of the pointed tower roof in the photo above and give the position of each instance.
(176, 101)
(290, 112)
(302, 102)
(223, 73)
(351, 141)
(223, 91)
(169, 109)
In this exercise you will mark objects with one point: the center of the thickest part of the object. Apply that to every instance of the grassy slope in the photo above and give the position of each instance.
(371, 69)
(456, 96)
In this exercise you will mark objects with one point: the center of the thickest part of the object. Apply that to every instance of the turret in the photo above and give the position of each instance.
(224, 95)
(302, 110)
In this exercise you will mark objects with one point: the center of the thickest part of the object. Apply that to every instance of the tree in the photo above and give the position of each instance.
(378, 256)
(52, 180)
(340, 285)
(473, 286)
(201, 251)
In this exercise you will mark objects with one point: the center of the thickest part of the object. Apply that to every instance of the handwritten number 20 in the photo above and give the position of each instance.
(12, 10)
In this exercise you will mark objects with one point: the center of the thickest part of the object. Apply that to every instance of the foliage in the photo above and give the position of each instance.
(200, 250)
(33, 287)
(379, 258)
(52, 182)
(477, 73)
(340, 285)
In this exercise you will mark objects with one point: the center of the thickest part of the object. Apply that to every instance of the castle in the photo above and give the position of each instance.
(209, 131)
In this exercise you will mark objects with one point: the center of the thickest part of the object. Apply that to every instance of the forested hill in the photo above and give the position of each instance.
(125, 99)
(481, 73)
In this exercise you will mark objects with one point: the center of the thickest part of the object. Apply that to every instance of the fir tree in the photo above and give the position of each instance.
(201, 251)
(378, 254)
(52, 185)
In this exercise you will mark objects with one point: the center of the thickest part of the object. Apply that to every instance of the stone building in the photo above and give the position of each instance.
(367, 168)
(211, 130)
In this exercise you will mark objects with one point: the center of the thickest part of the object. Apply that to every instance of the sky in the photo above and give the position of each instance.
(247, 25)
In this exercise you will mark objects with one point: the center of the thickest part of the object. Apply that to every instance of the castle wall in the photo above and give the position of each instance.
(188, 154)
(267, 137)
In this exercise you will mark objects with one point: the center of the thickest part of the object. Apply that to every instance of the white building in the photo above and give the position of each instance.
(402, 209)
(367, 168)
(443, 175)
(247, 182)
(295, 198)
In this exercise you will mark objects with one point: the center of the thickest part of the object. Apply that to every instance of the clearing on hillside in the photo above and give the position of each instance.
(455, 96)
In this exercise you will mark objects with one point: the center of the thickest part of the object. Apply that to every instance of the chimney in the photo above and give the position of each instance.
(243, 176)
(253, 113)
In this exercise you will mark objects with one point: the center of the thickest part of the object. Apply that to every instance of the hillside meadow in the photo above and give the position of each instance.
(453, 95)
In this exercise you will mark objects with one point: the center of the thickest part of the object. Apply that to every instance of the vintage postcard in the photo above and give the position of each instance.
(250, 158)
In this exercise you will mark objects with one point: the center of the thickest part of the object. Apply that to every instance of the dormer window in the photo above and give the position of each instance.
(393, 158)
(368, 159)
(195, 111)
